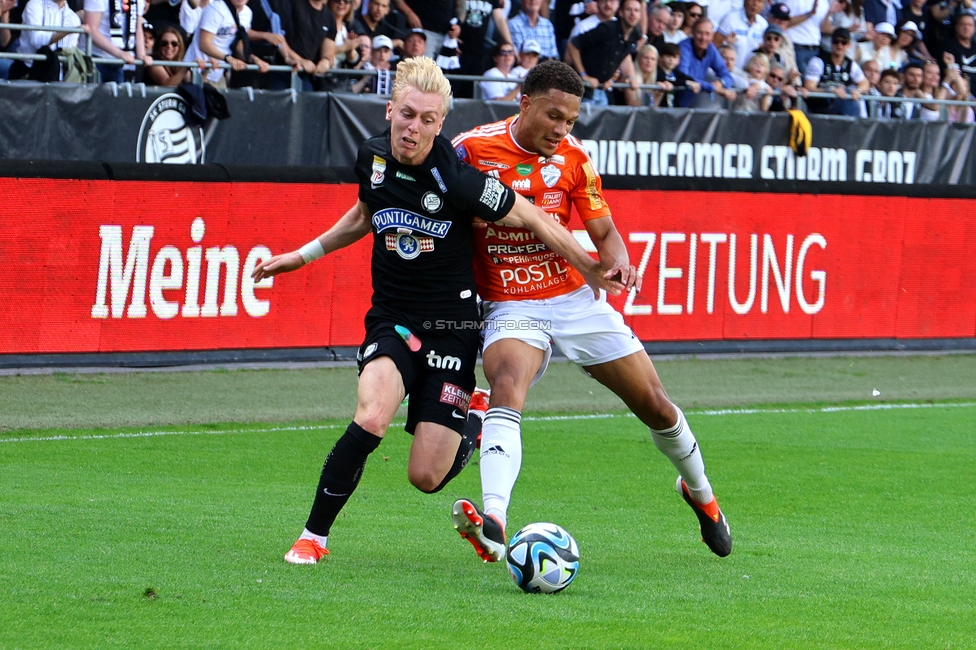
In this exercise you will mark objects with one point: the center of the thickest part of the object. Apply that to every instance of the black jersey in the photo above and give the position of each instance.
(836, 75)
(421, 218)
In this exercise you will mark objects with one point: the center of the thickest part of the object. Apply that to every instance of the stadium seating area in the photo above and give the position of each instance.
(718, 53)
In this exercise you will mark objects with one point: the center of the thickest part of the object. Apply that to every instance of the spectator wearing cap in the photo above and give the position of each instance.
(414, 44)
(771, 41)
(529, 24)
(504, 56)
(529, 58)
(779, 16)
(844, 13)
(699, 56)
(881, 36)
(920, 13)
(961, 50)
(806, 16)
(910, 39)
(838, 74)
(885, 49)
(743, 29)
(438, 19)
(380, 57)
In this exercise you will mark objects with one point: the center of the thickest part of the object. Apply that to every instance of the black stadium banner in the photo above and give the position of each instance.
(632, 148)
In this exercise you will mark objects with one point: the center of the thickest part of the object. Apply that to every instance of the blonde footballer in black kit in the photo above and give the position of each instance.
(419, 201)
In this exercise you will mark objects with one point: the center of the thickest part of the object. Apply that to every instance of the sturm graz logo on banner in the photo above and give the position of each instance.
(165, 136)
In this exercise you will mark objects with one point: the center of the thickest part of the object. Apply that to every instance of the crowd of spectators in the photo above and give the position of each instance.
(705, 53)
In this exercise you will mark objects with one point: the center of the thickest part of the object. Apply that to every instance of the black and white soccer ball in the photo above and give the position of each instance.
(543, 558)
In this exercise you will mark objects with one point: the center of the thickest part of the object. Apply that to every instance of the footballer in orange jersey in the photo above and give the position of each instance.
(511, 263)
(533, 300)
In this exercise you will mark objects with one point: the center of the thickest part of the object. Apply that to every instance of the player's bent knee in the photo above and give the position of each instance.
(426, 481)
(373, 421)
(659, 411)
(505, 388)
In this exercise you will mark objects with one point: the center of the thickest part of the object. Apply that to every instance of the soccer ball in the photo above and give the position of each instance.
(543, 558)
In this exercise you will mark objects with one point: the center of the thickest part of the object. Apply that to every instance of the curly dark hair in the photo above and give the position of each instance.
(552, 75)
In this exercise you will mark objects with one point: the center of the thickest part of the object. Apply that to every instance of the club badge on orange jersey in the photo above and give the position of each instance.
(550, 175)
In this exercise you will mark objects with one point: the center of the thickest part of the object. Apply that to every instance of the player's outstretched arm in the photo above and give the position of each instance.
(561, 241)
(353, 226)
(613, 252)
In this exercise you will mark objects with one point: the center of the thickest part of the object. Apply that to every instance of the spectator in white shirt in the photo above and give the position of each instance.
(743, 29)
(673, 33)
(50, 13)
(605, 10)
(806, 17)
(719, 9)
(504, 57)
(217, 38)
(531, 53)
(190, 12)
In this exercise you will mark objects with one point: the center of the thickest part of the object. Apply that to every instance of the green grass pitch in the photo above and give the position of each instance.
(851, 526)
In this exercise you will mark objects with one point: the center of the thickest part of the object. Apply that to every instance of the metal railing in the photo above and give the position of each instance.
(17, 56)
(296, 78)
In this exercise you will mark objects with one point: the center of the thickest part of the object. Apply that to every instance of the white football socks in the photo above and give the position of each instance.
(679, 445)
(501, 459)
(323, 540)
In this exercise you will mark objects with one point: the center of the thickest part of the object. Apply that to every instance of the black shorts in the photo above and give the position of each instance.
(437, 366)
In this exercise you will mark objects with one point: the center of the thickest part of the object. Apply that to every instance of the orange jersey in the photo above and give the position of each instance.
(512, 263)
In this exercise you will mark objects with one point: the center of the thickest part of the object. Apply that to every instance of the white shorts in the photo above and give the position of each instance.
(587, 331)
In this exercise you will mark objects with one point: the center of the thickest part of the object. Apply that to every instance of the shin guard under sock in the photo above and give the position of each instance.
(468, 441)
(340, 475)
(501, 459)
(678, 443)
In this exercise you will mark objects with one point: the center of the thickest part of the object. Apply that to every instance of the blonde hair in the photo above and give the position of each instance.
(650, 77)
(422, 73)
(758, 58)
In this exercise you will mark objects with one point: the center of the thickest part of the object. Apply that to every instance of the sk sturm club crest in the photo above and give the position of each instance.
(414, 234)
(165, 137)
